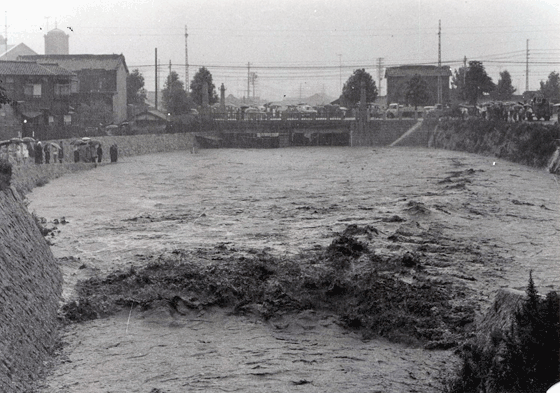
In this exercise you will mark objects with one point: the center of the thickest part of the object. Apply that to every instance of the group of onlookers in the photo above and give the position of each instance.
(24, 151)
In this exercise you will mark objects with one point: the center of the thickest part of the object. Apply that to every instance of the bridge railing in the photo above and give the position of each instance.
(284, 116)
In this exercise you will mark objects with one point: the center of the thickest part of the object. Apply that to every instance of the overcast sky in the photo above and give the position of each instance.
(299, 46)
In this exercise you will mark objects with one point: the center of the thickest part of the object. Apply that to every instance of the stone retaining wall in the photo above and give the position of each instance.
(379, 132)
(31, 284)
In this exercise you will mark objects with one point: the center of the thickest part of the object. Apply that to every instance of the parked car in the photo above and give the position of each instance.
(308, 109)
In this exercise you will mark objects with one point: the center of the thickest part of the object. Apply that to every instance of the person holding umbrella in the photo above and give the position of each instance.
(61, 152)
(47, 151)
(39, 153)
(99, 153)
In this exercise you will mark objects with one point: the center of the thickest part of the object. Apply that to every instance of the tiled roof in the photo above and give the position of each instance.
(82, 62)
(58, 70)
(31, 68)
(422, 70)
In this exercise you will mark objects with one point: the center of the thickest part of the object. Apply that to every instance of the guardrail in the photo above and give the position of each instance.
(269, 116)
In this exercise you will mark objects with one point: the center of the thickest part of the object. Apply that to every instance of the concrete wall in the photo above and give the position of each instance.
(420, 136)
(30, 287)
(379, 132)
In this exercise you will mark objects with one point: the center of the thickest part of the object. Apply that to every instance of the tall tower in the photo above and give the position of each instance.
(439, 88)
(187, 87)
(56, 42)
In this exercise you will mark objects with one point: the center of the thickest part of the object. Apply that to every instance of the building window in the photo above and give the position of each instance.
(10, 87)
(74, 85)
(51, 120)
(61, 90)
(33, 90)
(67, 120)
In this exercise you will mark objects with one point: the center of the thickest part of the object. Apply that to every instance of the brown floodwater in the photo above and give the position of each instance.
(286, 201)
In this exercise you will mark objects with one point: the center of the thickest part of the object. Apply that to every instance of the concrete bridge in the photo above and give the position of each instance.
(264, 130)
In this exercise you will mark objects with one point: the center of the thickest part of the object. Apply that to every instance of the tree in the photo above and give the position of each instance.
(135, 92)
(551, 88)
(458, 84)
(203, 75)
(477, 82)
(416, 91)
(504, 89)
(175, 97)
(351, 89)
(95, 114)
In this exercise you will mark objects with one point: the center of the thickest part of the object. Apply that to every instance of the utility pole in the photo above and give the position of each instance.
(248, 81)
(186, 62)
(340, 78)
(169, 68)
(6, 32)
(254, 79)
(379, 73)
(439, 89)
(156, 80)
(527, 69)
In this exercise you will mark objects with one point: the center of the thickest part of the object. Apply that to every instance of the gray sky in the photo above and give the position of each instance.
(299, 46)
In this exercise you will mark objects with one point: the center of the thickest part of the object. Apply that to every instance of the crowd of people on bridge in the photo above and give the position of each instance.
(24, 151)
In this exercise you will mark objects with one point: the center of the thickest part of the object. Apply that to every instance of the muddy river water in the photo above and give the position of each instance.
(285, 201)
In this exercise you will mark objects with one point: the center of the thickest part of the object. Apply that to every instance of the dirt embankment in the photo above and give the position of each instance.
(31, 284)
(532, 144)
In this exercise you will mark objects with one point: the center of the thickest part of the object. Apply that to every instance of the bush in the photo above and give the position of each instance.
(523, 359)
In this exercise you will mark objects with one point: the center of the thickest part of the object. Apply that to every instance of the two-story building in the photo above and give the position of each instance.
(40, 97)
(397, 78)
(100, 78)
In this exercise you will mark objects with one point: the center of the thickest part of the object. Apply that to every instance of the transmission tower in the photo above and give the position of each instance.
(379, 73)
(186, 62)
(527, 69)
(439, 92)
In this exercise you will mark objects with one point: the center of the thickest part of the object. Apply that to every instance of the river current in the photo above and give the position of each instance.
(285, 201)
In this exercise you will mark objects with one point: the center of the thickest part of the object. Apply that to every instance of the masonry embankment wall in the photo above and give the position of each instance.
(30, 289)
(379, 132)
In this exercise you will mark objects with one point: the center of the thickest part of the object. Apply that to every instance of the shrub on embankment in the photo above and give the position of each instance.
(526, 143)
(517, 348)
(30, 288)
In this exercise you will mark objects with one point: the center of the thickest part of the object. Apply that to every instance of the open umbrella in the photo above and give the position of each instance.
(4, 143)
(53, 144)
(78, 142)
(94, 142)
(16, 140)
(28, 139)
(554, 388)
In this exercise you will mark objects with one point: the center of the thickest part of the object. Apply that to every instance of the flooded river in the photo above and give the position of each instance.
(285, 201)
